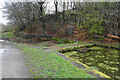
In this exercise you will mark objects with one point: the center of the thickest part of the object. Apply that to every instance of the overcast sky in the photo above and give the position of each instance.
(49, 6)
(2, 3)
(2, 20)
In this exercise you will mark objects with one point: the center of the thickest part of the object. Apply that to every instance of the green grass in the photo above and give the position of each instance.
(44, 64)
(67, 44)
(7, 35)
(74, 47)
(96, 48)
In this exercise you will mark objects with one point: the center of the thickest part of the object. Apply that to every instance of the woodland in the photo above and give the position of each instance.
(71, 20)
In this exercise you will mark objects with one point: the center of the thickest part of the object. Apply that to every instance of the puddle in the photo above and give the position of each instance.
(1, 40)
(104, 59)
(2, 51)
(48, 50)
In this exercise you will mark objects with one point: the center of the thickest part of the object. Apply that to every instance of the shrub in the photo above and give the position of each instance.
(67, 30)
(62, 41)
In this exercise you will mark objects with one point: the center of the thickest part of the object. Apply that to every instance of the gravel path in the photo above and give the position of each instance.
(12, 62)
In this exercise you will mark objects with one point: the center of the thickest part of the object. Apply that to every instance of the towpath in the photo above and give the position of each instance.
(12, 64)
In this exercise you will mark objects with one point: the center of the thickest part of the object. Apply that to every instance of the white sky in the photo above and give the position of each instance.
(50, 5)
(2, 20)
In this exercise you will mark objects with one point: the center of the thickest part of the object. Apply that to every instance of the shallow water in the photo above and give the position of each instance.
(104, 59)
(2, 51)
(1, 40)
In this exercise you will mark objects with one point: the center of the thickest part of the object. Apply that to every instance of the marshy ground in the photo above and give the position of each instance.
(104, 59)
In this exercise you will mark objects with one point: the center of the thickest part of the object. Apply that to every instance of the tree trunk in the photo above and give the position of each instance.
(63, 12)
(56, 10)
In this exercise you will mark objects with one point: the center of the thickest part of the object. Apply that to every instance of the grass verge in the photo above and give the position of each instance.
(7, 35)
(43, 64)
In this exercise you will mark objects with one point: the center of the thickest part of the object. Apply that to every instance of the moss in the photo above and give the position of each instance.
(105, 59)
(96, 48)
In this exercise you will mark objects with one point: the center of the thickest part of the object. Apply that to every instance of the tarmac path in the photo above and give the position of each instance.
(12, 64)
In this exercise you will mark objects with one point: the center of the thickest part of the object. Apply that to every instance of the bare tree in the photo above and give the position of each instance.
(24, 13)
(56, 7)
